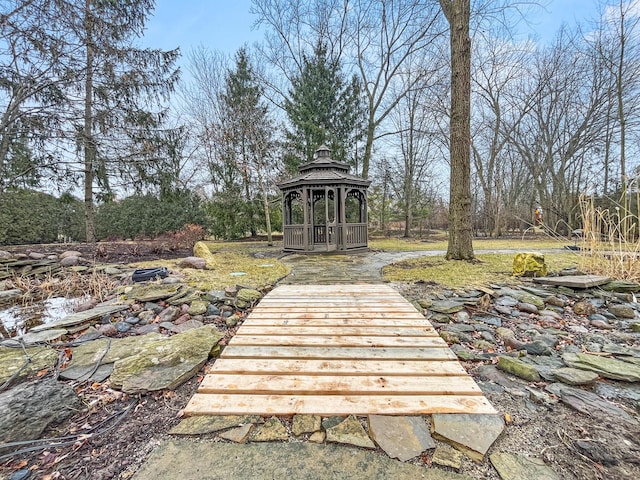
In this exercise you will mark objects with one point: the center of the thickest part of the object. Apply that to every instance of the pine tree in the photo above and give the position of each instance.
(247, 133)
(121, 86)
(323, 107)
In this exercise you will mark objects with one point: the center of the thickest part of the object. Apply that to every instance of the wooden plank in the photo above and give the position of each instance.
(326, 405)
(364, 330)
(344, 385)
(337, 341)
(293, 308)
(395, 353)
(337, 288)
(337, 350)
(337, 322)
(259, 314)
(322, 299)
(275, 366)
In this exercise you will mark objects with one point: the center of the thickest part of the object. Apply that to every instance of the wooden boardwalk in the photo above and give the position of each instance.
(336, 350)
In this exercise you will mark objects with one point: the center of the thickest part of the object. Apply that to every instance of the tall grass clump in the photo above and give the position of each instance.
(610, 238)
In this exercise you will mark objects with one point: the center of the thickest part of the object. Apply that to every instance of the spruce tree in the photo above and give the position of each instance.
(247, 134)
(324, 107)
(122, 87)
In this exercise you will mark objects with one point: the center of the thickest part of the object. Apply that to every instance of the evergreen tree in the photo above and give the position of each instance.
(34, 73)
(116, 121)
(247, 134)
(323, 107)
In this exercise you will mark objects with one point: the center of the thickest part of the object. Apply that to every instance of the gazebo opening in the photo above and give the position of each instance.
(324, 207)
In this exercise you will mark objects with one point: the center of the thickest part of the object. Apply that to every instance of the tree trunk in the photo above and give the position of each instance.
(366, 159)
(267, 212)
(460, 245)
(88, 140)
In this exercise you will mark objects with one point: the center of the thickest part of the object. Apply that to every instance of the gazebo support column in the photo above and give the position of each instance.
(343, 219)
(305, 213)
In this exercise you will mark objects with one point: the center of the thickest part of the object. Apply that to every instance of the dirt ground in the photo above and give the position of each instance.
(109, 252)
(115, 435)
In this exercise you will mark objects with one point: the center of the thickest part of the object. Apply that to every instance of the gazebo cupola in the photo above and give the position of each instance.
(324, 208)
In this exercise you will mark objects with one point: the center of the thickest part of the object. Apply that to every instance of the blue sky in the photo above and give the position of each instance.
(217, 24)
(227, 24)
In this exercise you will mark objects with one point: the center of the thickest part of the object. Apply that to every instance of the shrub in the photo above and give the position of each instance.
(27, 216)
(148, 216)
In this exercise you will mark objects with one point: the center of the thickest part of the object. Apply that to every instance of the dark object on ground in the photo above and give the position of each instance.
(574, 248)
(144, 274)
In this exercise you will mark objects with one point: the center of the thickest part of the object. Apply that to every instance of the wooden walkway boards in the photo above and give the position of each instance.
(336, 350)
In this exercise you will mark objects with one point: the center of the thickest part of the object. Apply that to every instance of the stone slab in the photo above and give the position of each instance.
(519, 467)
(401, 437)
(574, 281)
(202, 424)
(587, 402)
(81, 317)
(473, 434)
(12, 360)
(209, 460)
(28, 409)
(350, 432)
(238, 434)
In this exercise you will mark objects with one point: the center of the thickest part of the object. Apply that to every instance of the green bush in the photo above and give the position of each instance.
(27, 216)
(148, 216)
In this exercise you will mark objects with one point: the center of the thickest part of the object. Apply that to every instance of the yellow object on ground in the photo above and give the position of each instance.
(201, 250)
(529, 264)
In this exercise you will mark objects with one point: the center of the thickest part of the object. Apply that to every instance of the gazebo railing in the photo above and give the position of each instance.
(294, 237)
(356, 235)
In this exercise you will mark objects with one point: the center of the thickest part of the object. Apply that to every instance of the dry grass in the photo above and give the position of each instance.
(610, 241)
(73, 284)
(490, 268)
(401, 244)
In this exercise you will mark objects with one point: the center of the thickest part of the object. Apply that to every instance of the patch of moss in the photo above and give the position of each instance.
(258, 272)
(460, 274)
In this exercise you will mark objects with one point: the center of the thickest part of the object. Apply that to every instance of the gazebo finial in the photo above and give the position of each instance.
(323, 151)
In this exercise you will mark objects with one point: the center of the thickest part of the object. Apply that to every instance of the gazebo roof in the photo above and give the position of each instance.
(323, 170)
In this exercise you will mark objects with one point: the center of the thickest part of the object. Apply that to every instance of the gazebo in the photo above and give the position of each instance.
(324, 208)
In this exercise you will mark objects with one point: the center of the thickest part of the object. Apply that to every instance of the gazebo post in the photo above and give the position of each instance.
(343, 219)
(305, 215)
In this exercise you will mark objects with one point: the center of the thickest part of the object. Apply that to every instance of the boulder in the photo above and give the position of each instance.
(70, 253)
(28, 409)
(529, 264)
(198, 307)
(193, 262)
(201, 250)
(622, 311)
(70, 261)
(166, 362)
(248, 295)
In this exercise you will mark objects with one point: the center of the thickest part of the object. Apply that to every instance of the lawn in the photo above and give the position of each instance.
(490, 268)
(401, 244)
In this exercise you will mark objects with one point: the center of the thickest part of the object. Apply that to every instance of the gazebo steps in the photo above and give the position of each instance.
(337, 350)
